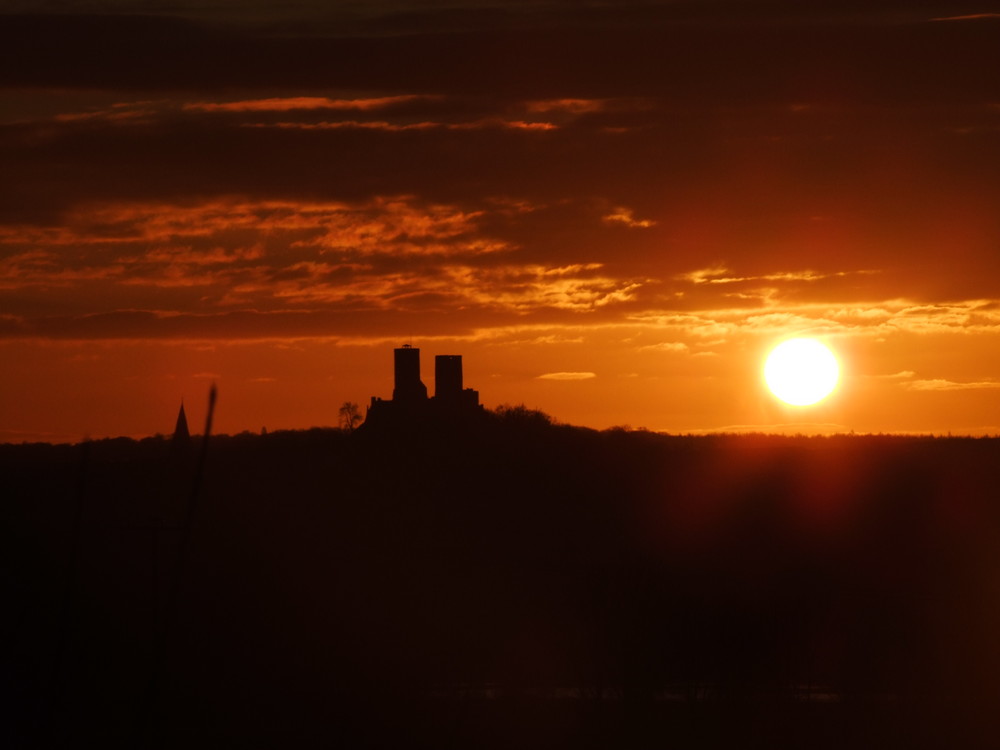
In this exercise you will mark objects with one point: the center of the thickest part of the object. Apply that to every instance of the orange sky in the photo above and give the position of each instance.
(613, 217)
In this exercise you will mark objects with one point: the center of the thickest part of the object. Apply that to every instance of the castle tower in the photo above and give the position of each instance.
(448, 377)
(408, 387)
(452, 407)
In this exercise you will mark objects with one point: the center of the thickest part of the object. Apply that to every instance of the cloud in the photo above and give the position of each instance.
(232, 266)
(574, 288)
(901, 375)
(703, 275)
(626, 217)
(125, 113)
(567, 376)
(383, 125)
(289, 104)
(969, 17)
(950, 385)
(389, 114)
(166, 231)
(720, 274)
(891, 317)
(666, 346)
(46, 269)
(701, 56)
(572, 106)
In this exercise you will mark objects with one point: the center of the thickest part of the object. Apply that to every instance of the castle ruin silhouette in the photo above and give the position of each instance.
(410, 403)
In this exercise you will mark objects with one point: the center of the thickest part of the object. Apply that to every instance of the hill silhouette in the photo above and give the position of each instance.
(506, 582)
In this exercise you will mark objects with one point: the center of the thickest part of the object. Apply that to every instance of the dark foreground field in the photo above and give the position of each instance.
(516, 584)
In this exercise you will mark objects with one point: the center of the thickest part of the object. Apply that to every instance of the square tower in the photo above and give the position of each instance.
(408, 387)
(448, 377)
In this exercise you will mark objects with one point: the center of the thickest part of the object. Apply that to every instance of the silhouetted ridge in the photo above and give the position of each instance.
(520, 584)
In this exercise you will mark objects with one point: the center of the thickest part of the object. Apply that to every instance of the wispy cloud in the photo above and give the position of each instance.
(293, 103)
(238, 265)
(626, 217)
(969, 17)
(229, 260)
(398, 113)
(870, 320)
(703, 275)
(567, 376)
(120, 113)
(939, 384)
(46, 269)
(573, 106)
(901, 375)
(673, 347)
(392, 127)
(396, 223)
(720, 274)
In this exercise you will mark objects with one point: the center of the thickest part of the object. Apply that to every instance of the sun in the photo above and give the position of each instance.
(801, 371)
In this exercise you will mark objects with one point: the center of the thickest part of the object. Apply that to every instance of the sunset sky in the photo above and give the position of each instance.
(612, 210)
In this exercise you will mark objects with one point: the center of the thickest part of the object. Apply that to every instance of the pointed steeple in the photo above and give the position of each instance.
(181, 433)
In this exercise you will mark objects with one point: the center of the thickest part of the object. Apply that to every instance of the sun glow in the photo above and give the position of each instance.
(801, 371)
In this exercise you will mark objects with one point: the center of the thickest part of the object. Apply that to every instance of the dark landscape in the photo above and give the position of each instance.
(502, 582)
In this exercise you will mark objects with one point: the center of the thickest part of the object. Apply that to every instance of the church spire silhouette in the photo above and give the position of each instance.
(181, 433)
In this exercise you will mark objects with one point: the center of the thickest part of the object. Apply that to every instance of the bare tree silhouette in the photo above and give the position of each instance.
(349, 416)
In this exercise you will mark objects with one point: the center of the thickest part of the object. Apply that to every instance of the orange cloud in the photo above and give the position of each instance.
(118, 113)
(288, 104)
(188, 256)
(626, 217)
(514, 288)
(567, 376)
(572, 106)
(145, 111)
(673, 347)
(971, 317)
(484, 124)
(941, 384)
(396, 223)
(45, 269)
(529, 287)
(587, 106)
(719, 274)
(391, 253)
